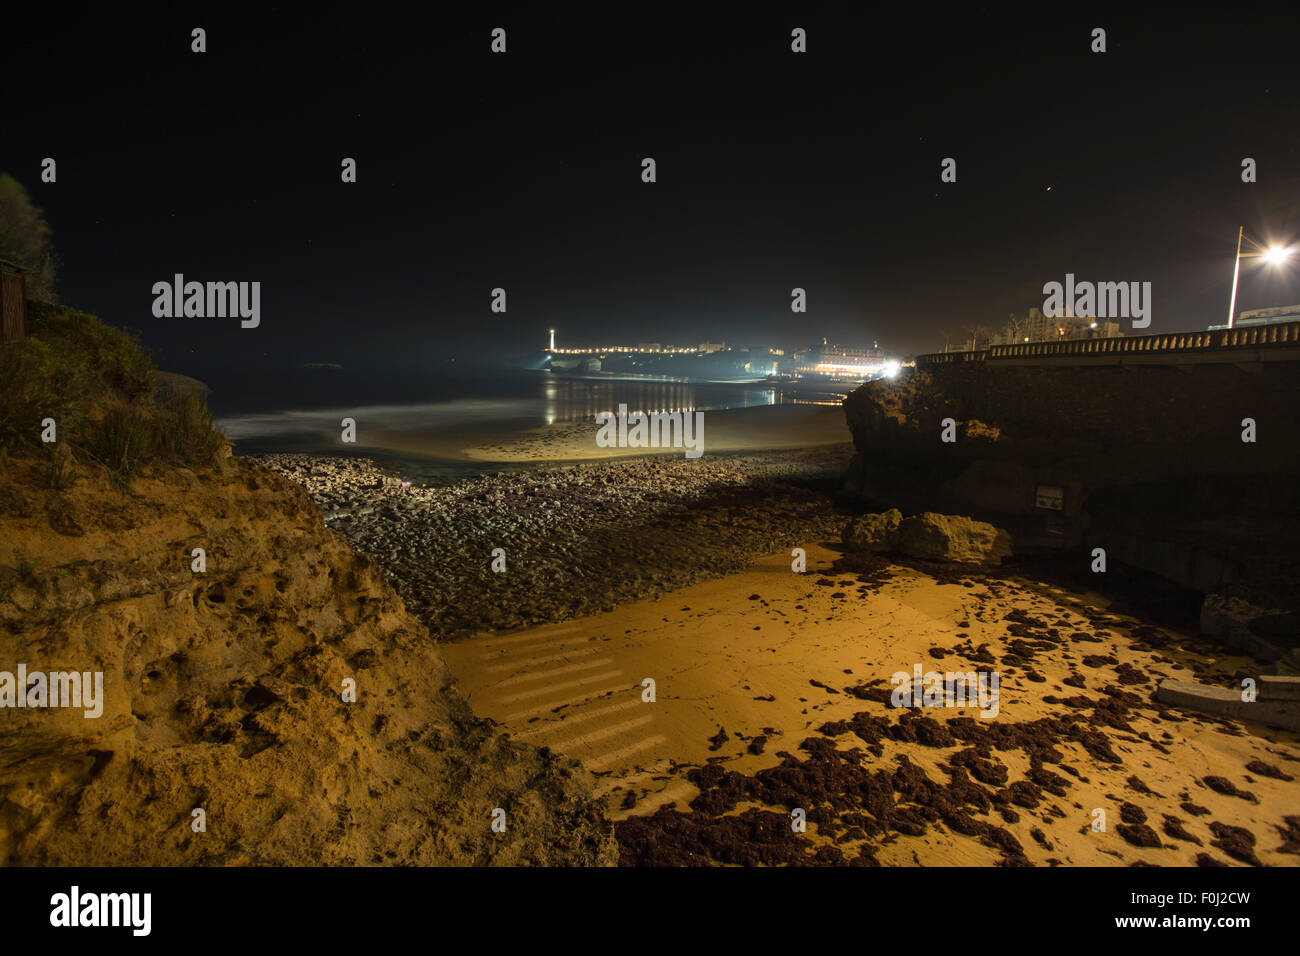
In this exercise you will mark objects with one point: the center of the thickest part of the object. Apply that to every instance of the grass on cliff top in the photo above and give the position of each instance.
(98, 385)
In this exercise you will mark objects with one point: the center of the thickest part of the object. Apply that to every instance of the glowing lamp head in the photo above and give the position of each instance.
(1276, 254)
(891, 369)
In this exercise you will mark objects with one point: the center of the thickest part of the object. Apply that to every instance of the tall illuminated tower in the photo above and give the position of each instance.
(552, 340)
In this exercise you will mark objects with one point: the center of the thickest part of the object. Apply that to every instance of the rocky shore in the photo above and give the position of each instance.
(578, 539)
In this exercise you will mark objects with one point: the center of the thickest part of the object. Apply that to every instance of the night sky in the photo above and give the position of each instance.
(522, 170)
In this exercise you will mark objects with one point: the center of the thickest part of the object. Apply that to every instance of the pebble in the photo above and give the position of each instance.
(620, 530)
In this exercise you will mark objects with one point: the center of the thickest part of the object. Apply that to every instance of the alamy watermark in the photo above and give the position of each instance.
(1098, 300)
(935, 689)
(53, 689)
(134, 910)
(208, 300)
(652, 430)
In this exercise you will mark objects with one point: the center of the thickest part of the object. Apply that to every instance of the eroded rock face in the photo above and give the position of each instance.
(222, 691)
(936, 537)
(874, 532)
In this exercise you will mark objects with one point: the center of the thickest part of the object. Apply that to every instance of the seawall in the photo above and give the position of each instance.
(1144, 459)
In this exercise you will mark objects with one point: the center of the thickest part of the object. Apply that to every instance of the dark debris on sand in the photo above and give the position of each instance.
(852, 801)
(1237, 842)
(1226, 787)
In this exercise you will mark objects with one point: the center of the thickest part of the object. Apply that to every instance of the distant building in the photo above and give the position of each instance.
(839, 360)
(704, 348)
(1273, 316)
(1037, 327)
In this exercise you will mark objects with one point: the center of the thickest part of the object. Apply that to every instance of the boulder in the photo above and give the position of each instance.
(1258, 631)
(936, 537)
(875, 532)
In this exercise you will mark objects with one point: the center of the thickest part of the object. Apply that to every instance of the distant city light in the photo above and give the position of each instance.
(836, 362)
(834, 368)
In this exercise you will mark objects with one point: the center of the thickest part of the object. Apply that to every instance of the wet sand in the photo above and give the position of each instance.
(764, 685)
(765, 427)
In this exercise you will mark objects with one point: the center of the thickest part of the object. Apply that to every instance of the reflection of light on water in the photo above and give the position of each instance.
(664, 411)
(469, 421)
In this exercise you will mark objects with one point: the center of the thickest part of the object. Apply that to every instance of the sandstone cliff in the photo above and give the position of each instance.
(222, 691)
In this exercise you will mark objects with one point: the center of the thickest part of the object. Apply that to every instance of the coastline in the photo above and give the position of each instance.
(462, 447)
(770, 683)
(727, 431)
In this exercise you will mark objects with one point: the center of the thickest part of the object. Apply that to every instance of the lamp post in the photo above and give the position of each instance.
(1272, 255)
(1236, 271)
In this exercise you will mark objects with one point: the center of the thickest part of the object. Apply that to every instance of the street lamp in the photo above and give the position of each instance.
(1272, 255)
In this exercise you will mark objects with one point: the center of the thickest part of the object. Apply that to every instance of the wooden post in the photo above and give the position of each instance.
(13, 302)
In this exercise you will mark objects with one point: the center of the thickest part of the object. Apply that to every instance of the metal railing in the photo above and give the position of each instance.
(1253, 336)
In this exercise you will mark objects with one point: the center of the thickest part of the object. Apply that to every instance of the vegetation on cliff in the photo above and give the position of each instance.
(25, 239)
(96, 385)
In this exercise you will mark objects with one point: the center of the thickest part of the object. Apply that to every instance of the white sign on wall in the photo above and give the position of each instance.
(1050, 497)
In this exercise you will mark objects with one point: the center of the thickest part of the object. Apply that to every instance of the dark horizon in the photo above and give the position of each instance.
(522, 171)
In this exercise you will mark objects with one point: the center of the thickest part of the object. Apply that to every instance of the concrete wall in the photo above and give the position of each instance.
(1150, 453)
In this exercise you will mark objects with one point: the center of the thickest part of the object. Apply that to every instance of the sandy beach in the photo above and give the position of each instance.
(768, 697)
(772, 685)
(727, 431)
